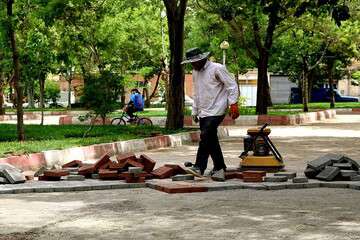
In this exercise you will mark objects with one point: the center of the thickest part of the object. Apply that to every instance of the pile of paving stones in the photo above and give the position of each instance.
(262, 176)
(10, 174)
(126, 167)
(333, 167)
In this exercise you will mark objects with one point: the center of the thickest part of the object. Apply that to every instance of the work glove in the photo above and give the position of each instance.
(195, 118)
(234, 111)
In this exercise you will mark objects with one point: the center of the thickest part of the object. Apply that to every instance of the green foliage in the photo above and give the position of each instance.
(206, 31)
(307, 39)
(356, 75)
(101, 93)
(52, 91)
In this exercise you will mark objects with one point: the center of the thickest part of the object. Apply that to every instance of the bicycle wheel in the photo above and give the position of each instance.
(144, 122)
(118, 121)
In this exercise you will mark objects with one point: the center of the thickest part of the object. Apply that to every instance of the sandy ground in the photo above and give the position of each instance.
(238, 214)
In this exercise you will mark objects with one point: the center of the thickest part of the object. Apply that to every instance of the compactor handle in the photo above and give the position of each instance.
(263, 127)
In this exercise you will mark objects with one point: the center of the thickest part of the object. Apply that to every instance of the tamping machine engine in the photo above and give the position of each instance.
(264, 155)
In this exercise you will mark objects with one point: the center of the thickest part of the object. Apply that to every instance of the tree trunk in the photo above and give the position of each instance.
(305, 91)
(42, 90)
(175, 103)
(2, 109)
(30, 91)
(16, 64)
(331, 84)
(146, 96)
(263, 92)
(123, 97)
(69, 92)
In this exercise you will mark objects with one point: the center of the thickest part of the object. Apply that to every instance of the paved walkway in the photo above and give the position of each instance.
(297, 144)
(319, 214)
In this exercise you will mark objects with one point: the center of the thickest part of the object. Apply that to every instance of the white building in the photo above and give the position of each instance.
(280, 87)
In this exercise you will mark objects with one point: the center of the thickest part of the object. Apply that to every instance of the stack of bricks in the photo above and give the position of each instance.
(134, 175)
(253, 176)
(167, 171)
(126, 167)
(333, 167)
(53, 175)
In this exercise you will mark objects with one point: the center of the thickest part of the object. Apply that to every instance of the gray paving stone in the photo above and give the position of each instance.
(328, 174)
(289, 175)
(135, 170)
(101, 187)
(63, 189)
(355, 186)
(24, 190)
(355, 178)
(312, 185)
(185, 177)
(348, 173)
(335, 184)
(224, 188)
(275, 186)
(276, 179)
(75, 178)
(255, 186)
(13, 176)
(355, 164)
(300, 180)
(345, 166)
(4, 166)
(81, 188)
(311, 173)
(7, 191)
(3, 180)
(323, 161)
(44, 189)
(296, 186)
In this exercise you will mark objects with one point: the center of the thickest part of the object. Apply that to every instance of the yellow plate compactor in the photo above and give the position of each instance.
(264, 155)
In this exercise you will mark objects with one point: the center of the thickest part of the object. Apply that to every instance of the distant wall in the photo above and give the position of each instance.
(280, 88)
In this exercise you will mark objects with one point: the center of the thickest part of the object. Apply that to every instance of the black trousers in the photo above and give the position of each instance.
(131, 110)
(209, 144)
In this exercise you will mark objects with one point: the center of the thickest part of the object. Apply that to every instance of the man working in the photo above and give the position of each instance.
(136, 103)
(214, 91)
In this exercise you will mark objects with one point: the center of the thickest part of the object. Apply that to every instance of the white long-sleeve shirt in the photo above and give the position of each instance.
(214, 90)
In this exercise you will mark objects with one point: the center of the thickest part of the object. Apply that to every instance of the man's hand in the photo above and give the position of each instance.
(195, 118)
(234, 111)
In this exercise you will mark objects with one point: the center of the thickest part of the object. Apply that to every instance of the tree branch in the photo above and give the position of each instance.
(238, 31)
(321, 57)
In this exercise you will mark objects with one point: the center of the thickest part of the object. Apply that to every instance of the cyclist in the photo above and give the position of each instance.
(136, 104)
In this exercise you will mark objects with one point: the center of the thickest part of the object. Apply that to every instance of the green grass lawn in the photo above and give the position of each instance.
(317, 105)
(40, 138)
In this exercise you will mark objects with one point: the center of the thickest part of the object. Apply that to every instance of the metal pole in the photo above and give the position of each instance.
(224, 57)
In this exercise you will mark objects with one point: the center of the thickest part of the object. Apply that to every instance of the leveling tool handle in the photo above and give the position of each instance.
(263, 127)
(270, 144)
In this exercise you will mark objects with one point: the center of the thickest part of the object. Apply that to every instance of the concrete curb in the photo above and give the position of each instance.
(92, 185)
(67, 186)
(37, 115)
(248, 120)
(347, 111)
(89, 154)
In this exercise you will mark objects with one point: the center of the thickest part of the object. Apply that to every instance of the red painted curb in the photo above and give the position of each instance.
(26, 162)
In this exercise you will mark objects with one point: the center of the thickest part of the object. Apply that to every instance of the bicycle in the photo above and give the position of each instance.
(136, 120)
